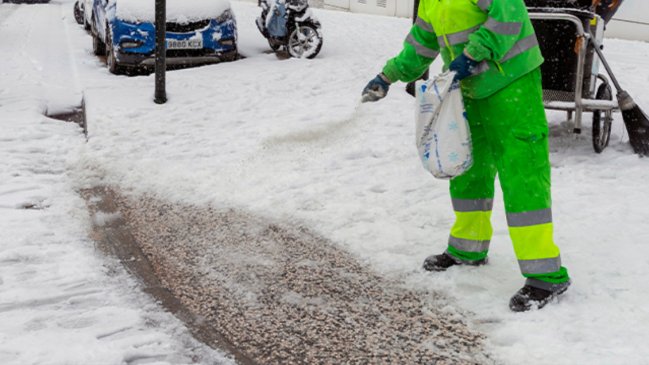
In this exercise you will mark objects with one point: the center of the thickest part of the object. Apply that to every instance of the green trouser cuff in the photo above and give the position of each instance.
(556, 277)
(466, 256)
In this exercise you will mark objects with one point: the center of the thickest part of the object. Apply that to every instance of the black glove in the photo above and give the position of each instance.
(376, 89)
(463, 66)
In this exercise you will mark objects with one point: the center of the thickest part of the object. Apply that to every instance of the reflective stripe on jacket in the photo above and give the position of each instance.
(498, 33)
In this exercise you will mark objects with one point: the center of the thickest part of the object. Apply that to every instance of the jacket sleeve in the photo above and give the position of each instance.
(419, 50)
(501, 30)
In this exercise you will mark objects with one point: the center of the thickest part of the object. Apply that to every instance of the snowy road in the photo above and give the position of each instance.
(40, 67)
(288, 140)
(60, 301)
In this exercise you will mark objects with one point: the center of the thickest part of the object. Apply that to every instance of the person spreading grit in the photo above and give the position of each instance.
(492, 47)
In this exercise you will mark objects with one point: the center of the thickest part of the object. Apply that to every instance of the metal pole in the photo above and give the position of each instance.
(160, 51)
(410, 88)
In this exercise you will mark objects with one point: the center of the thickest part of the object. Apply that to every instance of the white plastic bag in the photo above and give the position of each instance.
(443, 135)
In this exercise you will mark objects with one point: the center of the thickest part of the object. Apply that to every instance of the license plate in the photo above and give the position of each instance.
(184, 43)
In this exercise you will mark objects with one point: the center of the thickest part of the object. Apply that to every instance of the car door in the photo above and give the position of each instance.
(99, 7)
(87, 10)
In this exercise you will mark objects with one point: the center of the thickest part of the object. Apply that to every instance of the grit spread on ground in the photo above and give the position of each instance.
(286, 140)
(277, 293)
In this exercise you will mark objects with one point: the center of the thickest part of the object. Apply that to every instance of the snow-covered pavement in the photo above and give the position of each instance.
(288, 139)
(61, 302)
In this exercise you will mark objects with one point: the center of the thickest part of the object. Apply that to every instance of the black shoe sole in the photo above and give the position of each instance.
(538, 304)
(461, 263)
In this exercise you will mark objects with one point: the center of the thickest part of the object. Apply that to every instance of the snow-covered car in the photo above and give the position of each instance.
(198, 32)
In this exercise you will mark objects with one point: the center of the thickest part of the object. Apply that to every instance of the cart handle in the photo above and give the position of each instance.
(560, 16)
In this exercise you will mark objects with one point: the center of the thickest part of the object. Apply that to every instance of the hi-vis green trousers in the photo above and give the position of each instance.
(509, 133)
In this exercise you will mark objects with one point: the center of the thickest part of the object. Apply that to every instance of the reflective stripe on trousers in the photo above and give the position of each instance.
(531, 234)
(471, 234)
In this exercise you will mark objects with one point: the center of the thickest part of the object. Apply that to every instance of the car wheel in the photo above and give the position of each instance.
(111, 57)
(230, 56)
(98, 46)
(304, 42)
(78, 13)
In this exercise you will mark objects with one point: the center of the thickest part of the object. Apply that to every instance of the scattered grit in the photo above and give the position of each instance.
(282, 295)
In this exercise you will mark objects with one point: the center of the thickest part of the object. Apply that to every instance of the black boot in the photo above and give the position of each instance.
(444, 261)
(533, 297)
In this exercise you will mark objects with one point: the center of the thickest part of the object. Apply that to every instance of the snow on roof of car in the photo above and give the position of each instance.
(178, 11)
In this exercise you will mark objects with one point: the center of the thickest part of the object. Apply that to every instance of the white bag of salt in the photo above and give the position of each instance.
(443, 135)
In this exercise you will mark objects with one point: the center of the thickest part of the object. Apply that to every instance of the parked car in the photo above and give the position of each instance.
(198, 32)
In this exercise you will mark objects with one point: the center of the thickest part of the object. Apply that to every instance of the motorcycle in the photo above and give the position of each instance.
(290, 24)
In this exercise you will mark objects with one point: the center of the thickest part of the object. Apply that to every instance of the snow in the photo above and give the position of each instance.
(179, 11)
(62, 302)
(289, 139)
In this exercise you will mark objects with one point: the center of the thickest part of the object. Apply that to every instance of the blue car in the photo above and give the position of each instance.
(198, 32)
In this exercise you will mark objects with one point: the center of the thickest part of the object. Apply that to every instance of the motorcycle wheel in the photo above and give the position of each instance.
(274, 45)
(304, 42)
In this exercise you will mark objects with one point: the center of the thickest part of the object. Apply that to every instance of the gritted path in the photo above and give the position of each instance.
(278, 294)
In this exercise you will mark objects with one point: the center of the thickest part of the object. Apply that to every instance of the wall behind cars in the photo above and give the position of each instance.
(630, 22)
(400, 8)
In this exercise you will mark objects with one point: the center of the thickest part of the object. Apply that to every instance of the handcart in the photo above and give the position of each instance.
(568, 32)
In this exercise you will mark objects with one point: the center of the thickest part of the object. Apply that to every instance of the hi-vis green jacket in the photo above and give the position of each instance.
(498, 33)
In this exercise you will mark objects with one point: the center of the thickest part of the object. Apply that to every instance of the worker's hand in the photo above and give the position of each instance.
(463, 65)
(376, 89)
